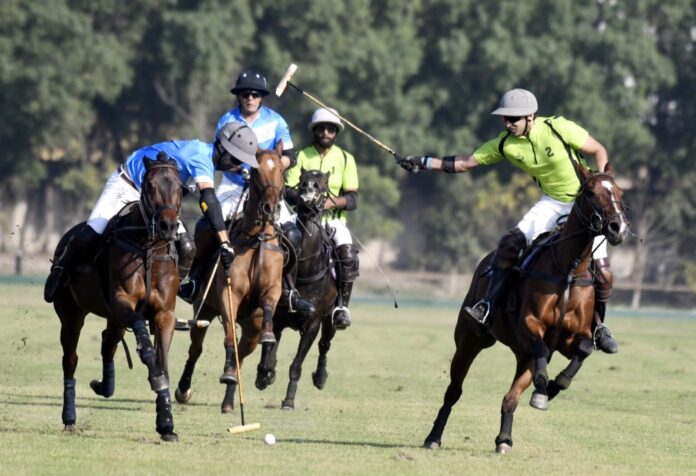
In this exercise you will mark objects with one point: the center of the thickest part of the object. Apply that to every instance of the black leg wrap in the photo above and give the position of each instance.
(435, 435)
(148, 356)
(186, 376)
(165, 420)
(69, 413)
(107, 385)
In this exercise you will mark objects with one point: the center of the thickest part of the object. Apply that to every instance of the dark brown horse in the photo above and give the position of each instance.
(549, 307)
(314, 281)
(255, 282)
(134, 279)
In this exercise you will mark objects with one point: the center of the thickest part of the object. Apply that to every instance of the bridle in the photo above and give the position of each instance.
(596, 221)
(148, 210)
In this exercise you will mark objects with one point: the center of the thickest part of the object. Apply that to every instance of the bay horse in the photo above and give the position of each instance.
(255, 277)
(548, 309)
(133, 280)
(314, 282)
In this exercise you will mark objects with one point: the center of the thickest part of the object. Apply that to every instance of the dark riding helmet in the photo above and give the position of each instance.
(250, 80)
(239, 141)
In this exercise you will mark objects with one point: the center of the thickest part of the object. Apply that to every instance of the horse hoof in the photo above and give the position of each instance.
(226, 408)
(267, 338)
(319, 379)
(170, 437)
(287, 405)
(432, 445)
(98, 388)
(228, 379)
(503, 449)
(539, 401)
(69, 428)
(183, 397)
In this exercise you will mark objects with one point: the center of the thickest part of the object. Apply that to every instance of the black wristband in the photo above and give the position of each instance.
(448, 164)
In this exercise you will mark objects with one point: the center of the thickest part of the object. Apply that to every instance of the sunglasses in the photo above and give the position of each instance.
(250, 94)
(326, 127)
(512, 119)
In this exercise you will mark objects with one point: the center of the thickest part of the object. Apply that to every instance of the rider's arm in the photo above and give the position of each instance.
(347, 201)
(288, 159)
(594, 148)
(211, 208)
(453, 163)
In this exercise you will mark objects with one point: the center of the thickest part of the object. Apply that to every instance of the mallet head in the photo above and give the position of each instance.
(283, 83)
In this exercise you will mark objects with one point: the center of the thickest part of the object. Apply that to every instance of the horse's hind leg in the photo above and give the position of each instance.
(468, 347)
(565, 377)
(522, 380)
(72, 318)
(183, 390)
(110, 338)
(328, 331)
(306, 340)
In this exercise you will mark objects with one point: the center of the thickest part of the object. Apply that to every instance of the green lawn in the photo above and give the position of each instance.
(631, 413)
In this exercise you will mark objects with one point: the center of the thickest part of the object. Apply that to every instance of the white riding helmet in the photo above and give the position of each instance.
(516, 102)
(325, 116)
(239, 140)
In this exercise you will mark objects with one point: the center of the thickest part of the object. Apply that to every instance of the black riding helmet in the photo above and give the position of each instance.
(235, 142)
(250, 80)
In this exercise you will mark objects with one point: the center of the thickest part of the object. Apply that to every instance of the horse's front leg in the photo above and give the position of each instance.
(540, 356)
(110, 339)
(306, 340)
(522, 380)
(583, 349)
(164, 324)
(321, 374)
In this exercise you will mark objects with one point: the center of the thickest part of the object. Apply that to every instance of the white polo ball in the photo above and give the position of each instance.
(269, 439)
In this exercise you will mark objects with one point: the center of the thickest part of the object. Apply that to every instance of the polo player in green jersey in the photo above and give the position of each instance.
(545, 148)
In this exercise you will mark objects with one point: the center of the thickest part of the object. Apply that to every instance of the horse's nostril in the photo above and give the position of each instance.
(614, 227)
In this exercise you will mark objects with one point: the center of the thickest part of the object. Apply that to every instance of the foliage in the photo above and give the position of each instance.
(85, 82)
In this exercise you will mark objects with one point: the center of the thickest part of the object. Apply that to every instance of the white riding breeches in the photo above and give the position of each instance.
(230, 194)
(118, 192)
(342, 234)
(544, 215)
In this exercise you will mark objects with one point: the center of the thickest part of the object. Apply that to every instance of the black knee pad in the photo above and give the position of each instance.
(349, 264)
(186, 247)
(293, 234)
(509, 248)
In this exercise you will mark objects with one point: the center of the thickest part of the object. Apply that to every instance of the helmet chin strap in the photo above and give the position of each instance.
(526, 126)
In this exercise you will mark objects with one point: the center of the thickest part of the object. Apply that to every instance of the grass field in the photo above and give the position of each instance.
(631, 413)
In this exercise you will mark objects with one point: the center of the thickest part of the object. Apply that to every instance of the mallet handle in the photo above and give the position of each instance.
(312, 98)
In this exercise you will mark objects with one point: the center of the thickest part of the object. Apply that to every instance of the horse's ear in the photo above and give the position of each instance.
(302, 170)
(162, 156)
(582, 171)
(608, 169)
(148, 162)
(279, 148)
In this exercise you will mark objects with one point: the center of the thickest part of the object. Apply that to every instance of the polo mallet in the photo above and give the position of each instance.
(285, 82)
(243, 427)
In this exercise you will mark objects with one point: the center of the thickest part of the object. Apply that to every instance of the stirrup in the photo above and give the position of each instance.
(479, 312)
(184, 293)
(336, 310)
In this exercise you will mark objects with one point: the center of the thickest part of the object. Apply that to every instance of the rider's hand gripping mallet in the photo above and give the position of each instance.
(243, 427)
(285, 82)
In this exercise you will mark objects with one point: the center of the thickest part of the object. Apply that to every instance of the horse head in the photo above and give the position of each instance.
(600, 206)
(313, 189)
(160, 197)
(268, 183)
